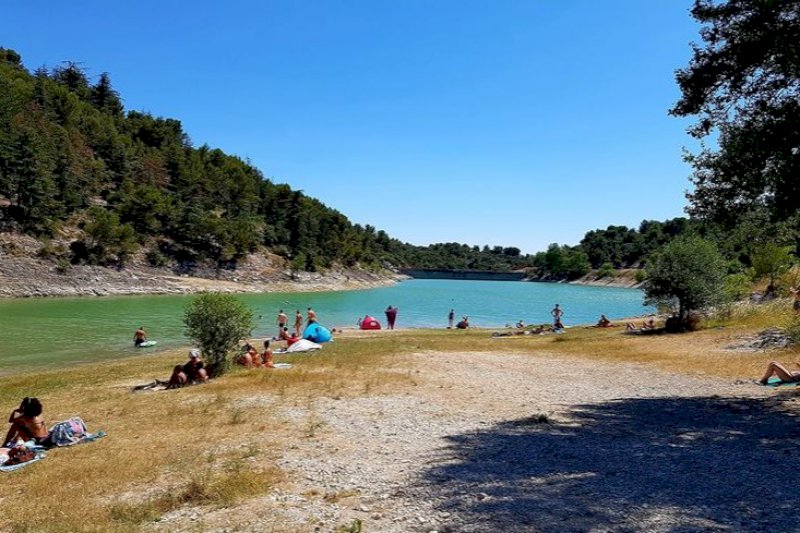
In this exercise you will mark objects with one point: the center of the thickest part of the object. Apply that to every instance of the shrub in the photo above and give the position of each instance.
(606, 270)
(689, 271)
(156, 258)
(640, 276)
(216, 323)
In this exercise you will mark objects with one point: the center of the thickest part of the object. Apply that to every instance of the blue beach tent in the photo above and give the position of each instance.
(316, 333)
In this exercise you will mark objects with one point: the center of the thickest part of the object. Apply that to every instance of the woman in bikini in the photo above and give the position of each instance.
(783, 373)
(27, 423)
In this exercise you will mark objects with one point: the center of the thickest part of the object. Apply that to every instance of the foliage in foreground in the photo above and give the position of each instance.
(216, 323)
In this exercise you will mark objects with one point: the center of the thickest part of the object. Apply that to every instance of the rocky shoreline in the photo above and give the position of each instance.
(25, 275)
(625, 279)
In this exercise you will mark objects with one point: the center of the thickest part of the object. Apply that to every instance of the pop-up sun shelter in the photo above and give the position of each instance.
(369, 322)
(316, 333)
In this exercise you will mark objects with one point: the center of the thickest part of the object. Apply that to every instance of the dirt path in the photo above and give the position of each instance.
(488, 442)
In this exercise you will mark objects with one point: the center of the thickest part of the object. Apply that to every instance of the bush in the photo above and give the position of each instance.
(689, 271)
(216, 323)
(640, 276)
(606, 270)
(156, 258)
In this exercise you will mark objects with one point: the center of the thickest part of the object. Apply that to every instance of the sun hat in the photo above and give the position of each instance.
(194, 352)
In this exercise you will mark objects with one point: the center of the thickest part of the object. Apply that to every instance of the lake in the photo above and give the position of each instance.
(38, 332)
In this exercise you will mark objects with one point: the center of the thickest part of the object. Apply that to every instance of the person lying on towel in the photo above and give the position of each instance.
(783, 373)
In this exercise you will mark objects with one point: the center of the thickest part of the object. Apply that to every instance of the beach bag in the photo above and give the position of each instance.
(68, 432)
(18, 455)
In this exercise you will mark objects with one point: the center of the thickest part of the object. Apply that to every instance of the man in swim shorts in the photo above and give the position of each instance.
(140, 336)
(557, 313)
(282, 321)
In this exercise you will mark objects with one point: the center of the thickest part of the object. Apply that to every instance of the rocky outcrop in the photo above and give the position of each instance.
(24, 274)
(624, 278)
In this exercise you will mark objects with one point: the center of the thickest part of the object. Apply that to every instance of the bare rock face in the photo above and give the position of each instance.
(25, 273)
(769, 339)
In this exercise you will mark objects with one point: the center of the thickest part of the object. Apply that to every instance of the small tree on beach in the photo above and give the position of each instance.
(216, 323)
(689, 271)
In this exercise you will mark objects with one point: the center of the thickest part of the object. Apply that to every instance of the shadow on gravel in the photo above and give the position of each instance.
(661, 464)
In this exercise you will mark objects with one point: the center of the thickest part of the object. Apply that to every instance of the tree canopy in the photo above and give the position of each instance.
(743, 85)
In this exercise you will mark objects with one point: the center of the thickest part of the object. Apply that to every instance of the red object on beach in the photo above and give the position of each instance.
(370, 323)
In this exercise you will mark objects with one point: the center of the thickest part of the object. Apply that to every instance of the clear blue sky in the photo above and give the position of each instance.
(514, 123)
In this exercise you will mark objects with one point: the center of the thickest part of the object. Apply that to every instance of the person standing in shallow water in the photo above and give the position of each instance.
(298, 322)
(557, 313)
(282, 321)
(451, 316)
(140, 336)
(391, 316)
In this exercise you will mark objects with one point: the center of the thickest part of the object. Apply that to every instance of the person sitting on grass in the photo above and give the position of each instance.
(266, 356)
(783, 373)
(284, 335)
(195, 373)
(604, 322)
(178, 378)
(249, 357)
(27, 423)
(293, 339)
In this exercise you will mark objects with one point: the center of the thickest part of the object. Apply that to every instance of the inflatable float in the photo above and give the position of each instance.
(147, 344)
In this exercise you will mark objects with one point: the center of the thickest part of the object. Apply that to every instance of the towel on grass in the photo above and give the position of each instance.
(775, 381)
(37, 450)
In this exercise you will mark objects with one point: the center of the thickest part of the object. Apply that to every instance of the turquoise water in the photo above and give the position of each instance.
(39, 332)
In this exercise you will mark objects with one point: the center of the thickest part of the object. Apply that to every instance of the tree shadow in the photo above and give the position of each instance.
(656, 464)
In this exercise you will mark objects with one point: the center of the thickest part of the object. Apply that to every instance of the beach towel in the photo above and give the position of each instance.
(38, 451)
(282, 365)
(303, 345)
(153, 385)
(775, 381)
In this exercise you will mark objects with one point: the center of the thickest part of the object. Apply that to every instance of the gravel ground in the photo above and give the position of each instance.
(488, 442)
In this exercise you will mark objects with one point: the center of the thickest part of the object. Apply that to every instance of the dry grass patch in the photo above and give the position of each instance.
(198, 446)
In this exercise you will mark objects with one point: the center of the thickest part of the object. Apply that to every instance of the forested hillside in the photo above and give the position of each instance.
(74, 162)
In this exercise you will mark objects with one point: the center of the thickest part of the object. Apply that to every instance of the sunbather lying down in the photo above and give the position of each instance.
(783, 373)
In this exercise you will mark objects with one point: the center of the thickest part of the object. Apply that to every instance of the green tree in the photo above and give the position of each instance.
(770, 261)
(216, 323)
(107, 241)
(743, 84)
(688, 271)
